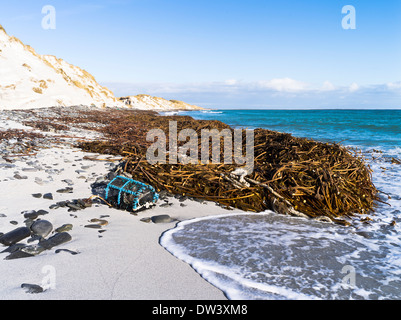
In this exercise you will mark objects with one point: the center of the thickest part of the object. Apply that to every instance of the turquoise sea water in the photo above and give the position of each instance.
(270, 256)
(363, 128)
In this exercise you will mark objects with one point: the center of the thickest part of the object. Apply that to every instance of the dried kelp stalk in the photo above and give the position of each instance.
(291, 174)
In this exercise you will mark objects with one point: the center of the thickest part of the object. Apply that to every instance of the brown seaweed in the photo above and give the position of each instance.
(291, 174)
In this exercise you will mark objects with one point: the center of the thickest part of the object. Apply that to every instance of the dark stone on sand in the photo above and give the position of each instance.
(19, 177)
(15, 236)
(57, 239)
(73, 206)
(18, 255)
(93, 226)
(32, 288)
(31, 214)
(161, 219)
(42, 212)
(65, 190)
(67, 250)
(37, 195)
(166, 205)
(42, 228)
(2, 215)
(14, 222)
(14, 248)
(68, 181)
(48, 196)
(62, 204)
(84, 203)
(64, 228)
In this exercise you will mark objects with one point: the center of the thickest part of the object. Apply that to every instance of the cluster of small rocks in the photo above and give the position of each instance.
(36, 230)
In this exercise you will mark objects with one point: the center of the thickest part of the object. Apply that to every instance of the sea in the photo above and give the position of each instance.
(268, 256)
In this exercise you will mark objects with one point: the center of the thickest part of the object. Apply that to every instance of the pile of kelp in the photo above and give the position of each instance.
(291, 175)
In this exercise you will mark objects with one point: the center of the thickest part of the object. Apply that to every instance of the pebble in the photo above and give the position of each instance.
(42, 228)
(65, 190)
(2, 215)
(19, 177)
(32, 214)
(37, 195)
(93, 226)
(162, 219)
(68, 181)
(73, 206)
(57, 239)
(15, 236)
(14, 222)
(100, 222)
(42, 212)
(67, 250)
(61, 204)
(32, 288)
(18, 255)
(14, 248)
(64, 228)
(166, 205)
(48, 196)
(29, 169)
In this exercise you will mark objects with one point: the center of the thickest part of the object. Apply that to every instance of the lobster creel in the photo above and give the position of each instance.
(130, 195)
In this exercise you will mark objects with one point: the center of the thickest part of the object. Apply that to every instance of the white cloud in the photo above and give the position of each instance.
(231, 82)
(284, 85)
(394, 85)
(284, 92)
(328, 86)
(353, 87)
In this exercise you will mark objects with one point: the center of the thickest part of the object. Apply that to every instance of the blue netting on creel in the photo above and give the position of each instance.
(129, 194)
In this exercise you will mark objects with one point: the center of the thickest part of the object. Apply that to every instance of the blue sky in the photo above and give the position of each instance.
(226, 53)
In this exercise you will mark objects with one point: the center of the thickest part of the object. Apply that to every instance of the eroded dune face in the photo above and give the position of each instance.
(31, 80)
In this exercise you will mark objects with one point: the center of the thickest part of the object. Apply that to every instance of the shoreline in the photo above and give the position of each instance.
(122, 261)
